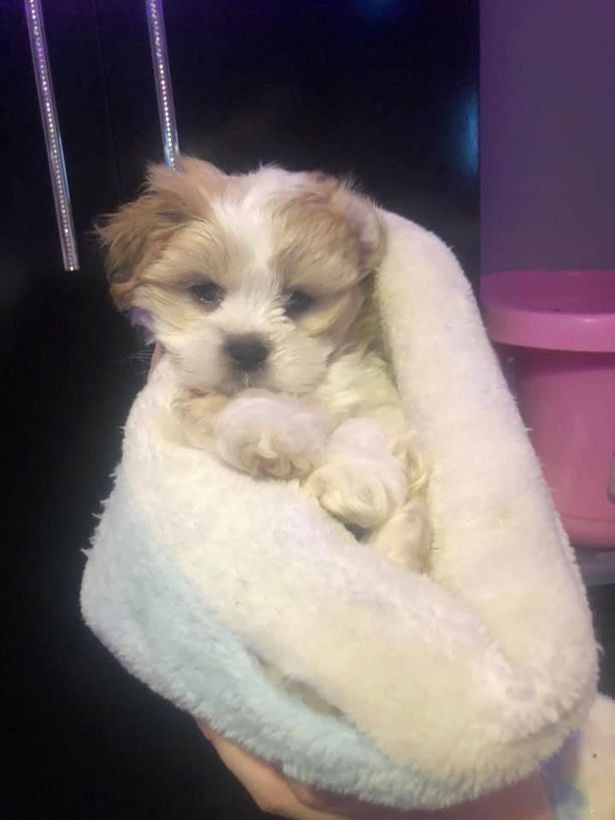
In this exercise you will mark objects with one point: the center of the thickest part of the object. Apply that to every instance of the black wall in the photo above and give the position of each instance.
(384, 89)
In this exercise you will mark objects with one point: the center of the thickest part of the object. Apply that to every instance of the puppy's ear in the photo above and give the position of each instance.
(361, 214)
(135, 235)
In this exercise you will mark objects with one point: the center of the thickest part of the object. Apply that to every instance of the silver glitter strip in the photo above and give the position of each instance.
(162, 75)
(53, 137)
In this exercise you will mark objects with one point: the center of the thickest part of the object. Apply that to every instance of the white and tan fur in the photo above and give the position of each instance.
(322, 407)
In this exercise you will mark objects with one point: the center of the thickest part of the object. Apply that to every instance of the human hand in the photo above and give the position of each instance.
(277, 794)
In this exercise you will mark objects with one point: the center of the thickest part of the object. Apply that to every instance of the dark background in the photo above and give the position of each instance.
(385, 89)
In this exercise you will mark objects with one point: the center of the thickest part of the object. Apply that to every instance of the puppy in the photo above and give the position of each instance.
(260, 289)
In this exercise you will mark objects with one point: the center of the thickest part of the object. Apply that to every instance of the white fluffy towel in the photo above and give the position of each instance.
(448, 685)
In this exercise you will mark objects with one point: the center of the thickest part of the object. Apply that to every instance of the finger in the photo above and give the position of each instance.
(311, 797)
(267, 787)
(350, 807)
(260, 778)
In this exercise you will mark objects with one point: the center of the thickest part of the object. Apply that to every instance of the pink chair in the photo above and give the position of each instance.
(555, 331)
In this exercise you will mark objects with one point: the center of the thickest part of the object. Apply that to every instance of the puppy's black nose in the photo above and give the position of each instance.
(247, 352)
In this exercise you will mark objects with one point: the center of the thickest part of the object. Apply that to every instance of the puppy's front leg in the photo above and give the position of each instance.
(360, 481)
(271, 436)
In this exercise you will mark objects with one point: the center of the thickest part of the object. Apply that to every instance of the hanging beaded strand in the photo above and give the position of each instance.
(53, 137)
(162, 76)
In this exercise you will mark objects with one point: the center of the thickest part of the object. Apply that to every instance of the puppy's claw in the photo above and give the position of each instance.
(270, 459)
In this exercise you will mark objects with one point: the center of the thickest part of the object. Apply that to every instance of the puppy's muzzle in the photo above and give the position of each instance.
(247, 353)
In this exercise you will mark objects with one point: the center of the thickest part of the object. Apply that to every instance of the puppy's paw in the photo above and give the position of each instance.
(360, 482)
(406, 537)
(359, 491)
(270, 436)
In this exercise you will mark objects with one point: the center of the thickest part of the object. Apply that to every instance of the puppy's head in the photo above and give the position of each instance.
(254, 280)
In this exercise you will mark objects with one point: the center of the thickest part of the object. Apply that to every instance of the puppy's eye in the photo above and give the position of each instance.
(297, 302)
(207, 292)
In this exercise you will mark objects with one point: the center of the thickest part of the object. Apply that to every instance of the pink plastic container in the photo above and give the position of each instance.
(556, 333)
